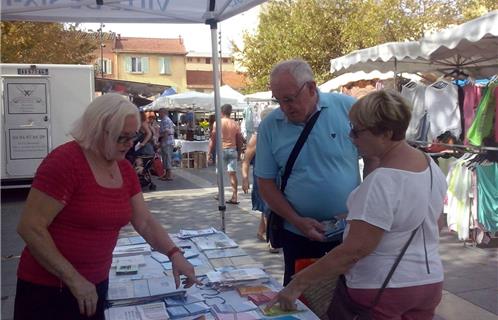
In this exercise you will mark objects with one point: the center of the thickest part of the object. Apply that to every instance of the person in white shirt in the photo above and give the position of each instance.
(404, 193)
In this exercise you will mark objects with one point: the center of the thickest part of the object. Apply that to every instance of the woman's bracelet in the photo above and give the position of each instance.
(171, 252)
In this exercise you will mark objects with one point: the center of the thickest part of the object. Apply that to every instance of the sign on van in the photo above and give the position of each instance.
(32, 71)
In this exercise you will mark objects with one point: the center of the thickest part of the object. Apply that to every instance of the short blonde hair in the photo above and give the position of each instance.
(100, 125)
(382, 111)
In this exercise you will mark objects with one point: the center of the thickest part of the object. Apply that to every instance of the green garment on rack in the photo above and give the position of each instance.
(482, 126)
(487, 196)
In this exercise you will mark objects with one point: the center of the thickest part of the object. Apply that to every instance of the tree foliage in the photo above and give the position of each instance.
(42, 42)
(320, 30)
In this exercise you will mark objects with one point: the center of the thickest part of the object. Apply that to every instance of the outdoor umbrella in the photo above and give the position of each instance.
(133, 11)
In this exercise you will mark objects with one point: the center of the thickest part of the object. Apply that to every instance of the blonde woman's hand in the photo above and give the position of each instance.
(182, 267)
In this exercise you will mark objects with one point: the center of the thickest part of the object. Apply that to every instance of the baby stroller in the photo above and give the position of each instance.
(142, 163)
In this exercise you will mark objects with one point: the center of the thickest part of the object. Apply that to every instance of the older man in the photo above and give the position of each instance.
(326, 169)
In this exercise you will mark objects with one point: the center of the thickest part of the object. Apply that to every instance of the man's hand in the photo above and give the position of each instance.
(311, 229)
(85, 293)
(182, 267)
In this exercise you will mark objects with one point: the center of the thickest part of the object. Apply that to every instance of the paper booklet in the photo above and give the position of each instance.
(150, 311)
(225, 253)
(131, 250)
(214, 241)
(187, 234)
(236, 262)
(140, 290)
(130, 240)
(236, 275)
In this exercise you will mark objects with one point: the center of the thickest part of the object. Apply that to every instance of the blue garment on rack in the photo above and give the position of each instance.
(487, 196)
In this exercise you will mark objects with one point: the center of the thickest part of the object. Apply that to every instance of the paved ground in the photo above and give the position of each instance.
(471, 274)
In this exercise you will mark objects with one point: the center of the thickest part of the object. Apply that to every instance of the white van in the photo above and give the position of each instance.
(39, 105)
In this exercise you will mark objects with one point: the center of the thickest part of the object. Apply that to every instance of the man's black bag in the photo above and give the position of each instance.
(275, 223)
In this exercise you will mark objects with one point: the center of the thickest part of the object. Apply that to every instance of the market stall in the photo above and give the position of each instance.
(233, 285)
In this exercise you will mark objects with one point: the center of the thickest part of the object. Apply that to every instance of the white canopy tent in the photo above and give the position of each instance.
(259, 96)
(133, 11)
(391, 56)
(191, 100)
(228, 93)
(471, 47)
(346, 78)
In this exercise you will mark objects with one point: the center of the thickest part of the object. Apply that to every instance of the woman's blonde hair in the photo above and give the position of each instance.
(382, 111)
(100, 125)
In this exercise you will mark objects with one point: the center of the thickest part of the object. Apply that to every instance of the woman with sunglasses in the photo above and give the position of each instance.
(83, 192)
(402, 197)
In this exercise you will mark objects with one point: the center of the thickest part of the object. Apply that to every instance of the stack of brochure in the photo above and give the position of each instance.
(187, 234)
(214, 241)
(130, 250)
(150, 311)
(138, 291)
(236, 276)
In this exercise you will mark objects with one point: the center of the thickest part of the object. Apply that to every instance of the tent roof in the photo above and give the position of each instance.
(346, 78)
(471, 47)
(125, 11)
(402, 56)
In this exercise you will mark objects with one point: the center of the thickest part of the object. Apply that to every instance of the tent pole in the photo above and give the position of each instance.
(217, 109)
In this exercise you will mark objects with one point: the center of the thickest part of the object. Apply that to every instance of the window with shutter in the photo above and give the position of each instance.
(164, 65)
(136, 65)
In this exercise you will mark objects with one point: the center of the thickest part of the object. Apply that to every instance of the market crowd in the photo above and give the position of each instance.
(372, 236)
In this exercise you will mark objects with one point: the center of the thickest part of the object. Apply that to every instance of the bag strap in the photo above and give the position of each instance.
(297, 148)
(403, 250)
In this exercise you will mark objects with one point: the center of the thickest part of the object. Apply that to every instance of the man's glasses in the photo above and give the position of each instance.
(354, 133)
(126, 139)
(290, 99)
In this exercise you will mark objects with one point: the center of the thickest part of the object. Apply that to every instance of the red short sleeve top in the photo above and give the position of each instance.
(85, 231)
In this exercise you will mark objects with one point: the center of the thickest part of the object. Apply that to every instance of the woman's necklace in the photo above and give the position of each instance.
(394, 146)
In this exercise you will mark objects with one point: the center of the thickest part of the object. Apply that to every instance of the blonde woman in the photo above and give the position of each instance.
(83, 192)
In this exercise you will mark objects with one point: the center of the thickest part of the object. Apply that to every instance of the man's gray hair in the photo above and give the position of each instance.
(102, 122)
(299, 69)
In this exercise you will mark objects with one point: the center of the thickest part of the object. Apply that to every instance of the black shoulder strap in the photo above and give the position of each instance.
(297, 148)
(402, 253)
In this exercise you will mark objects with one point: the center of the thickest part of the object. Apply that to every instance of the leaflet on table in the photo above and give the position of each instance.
(236, 275)
(187, 310)
(187, 253)
(214, 241)
(224, 253)
(131, 250)
(189, 233)
(137, 259)
(130, 240)
(149, 311)
(236, 262)
(142, 288)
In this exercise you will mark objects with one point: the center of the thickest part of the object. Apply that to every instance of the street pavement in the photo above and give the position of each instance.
(187, 202)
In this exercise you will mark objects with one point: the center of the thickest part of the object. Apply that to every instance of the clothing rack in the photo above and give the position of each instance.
(469, 148)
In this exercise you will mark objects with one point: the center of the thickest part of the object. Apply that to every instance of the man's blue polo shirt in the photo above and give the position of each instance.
(325, 171)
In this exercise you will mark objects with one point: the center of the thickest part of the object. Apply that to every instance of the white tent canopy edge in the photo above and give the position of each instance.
(137, 11)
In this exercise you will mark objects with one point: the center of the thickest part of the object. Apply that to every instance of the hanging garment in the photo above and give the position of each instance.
(248, 129)
(441, 101)
(496, 113)
(483, 123)
(414, 94)
(459, 186)
(470, 103)
(487, 190)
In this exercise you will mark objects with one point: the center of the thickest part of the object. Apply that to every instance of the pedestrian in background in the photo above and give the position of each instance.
(231, 139)
(167, 141)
